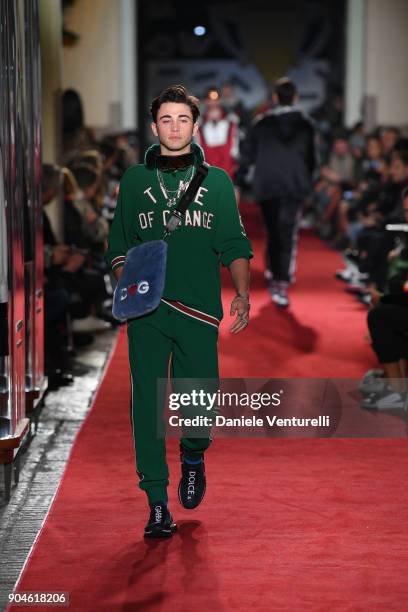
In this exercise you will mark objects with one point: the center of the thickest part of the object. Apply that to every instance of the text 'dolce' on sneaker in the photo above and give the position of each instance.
(192, 483)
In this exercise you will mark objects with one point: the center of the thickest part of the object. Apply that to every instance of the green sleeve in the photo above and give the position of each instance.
(230, 239)
(119, 239)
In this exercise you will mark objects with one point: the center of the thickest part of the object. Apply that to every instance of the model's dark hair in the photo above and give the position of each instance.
(286, 91)
(179, 94)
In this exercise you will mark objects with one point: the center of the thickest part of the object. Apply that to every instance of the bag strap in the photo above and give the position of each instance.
(178, 213)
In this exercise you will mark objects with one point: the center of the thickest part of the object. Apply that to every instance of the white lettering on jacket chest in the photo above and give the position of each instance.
(193, 218)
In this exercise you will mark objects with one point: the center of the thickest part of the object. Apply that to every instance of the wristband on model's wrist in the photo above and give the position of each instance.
(240, 295)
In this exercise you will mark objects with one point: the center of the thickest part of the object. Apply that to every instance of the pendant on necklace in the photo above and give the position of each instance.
(171, 202)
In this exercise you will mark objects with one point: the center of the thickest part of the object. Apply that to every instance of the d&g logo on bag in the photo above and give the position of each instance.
(142, 288)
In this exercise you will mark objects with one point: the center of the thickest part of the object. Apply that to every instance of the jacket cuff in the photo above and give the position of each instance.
(118, 261)
(228, 258)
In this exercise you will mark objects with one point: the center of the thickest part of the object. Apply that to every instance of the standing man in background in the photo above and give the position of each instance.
(281, 145)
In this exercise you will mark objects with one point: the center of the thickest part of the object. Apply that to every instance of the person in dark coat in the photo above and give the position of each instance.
(282, 147)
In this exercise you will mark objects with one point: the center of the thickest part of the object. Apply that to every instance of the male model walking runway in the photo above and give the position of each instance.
(281, 145)
(185, 325)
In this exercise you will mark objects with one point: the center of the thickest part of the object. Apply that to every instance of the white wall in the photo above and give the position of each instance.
(386, 59)
(51, 44)
(128, 62)
(102, 65)
(376, 62)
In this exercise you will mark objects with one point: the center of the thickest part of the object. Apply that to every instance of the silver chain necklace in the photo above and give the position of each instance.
(172, 195)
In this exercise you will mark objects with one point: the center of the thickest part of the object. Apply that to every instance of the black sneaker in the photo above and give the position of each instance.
(160, 523)
(192, 484)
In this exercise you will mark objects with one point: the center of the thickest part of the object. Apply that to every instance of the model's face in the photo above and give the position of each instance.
(174, 128)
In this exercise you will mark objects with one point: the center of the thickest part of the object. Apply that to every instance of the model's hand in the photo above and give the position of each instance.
(241, 306)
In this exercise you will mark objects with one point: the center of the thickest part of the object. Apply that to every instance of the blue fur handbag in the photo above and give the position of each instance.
(141, 285)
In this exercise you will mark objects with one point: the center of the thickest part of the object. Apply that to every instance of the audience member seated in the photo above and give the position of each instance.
(388, 325)
(340, 167)
(65, 265)
(88, 202)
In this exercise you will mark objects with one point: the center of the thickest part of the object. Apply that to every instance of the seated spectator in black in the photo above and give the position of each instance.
(398, 258)
(56, 356)
(388, 325)
(56, 300)
(374, 243)
(65, 266)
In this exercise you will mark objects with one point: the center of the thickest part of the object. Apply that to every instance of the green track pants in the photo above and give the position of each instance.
(192, 346)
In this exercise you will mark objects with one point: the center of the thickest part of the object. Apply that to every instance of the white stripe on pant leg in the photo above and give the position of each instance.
(131, 417)
(293, 255)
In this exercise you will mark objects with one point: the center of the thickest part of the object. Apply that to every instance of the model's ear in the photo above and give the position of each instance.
(154, 128)
(195, 128)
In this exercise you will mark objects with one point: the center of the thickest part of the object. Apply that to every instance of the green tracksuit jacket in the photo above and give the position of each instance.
(212, 230)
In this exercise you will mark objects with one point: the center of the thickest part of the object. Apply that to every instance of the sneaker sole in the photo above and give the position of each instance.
(161, 533)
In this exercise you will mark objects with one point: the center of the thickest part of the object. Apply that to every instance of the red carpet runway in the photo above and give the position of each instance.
(286, 525)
